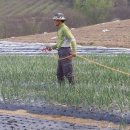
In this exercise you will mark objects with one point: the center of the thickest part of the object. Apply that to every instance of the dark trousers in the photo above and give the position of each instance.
(65, 68)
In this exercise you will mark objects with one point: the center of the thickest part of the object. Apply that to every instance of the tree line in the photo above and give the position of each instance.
(103, 10)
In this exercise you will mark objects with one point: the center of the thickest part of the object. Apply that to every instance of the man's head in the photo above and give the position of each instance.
(58, 18)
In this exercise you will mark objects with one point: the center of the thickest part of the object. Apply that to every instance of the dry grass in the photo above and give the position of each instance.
(117, 35)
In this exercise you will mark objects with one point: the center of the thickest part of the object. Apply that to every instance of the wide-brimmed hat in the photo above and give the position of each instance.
(59, 16)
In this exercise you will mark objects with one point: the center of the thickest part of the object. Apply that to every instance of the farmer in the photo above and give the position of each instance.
(66, 45)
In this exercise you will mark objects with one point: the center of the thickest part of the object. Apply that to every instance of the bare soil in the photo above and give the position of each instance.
(110, 34)
(79, 121)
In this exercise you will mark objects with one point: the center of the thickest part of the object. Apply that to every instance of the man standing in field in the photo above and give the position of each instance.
(66, 45)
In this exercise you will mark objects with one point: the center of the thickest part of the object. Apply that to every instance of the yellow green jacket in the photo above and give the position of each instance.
(65, 38)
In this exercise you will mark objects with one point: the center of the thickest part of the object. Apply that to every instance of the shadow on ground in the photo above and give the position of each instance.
(71, 112)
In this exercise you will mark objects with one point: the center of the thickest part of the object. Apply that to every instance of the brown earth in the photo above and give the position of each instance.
(79, 121)
(110, 34)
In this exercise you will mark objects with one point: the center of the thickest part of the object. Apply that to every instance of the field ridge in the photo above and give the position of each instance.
(110, 34)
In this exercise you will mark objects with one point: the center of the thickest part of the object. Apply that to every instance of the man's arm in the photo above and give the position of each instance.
(71, 37)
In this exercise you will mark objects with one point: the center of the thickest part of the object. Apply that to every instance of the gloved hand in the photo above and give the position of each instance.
(73, 54)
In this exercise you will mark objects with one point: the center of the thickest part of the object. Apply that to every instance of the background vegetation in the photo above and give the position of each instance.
(33, 80)
(24, 17)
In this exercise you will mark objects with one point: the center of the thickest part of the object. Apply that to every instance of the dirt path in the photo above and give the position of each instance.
(58, 117)
(77, 121)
